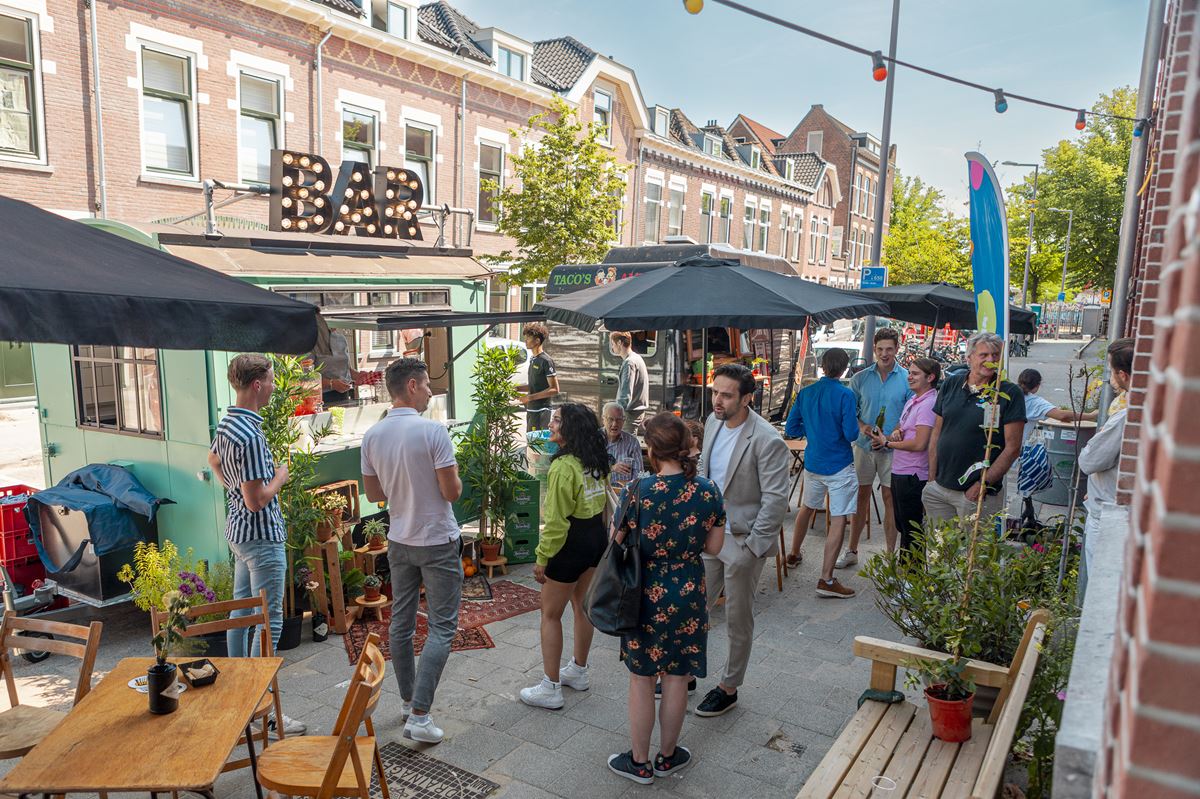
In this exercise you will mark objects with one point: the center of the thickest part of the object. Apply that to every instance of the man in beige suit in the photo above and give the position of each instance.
(746, 457)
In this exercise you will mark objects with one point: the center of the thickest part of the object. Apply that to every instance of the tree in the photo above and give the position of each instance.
(925, 244)
(1086, 175)
(571, 188)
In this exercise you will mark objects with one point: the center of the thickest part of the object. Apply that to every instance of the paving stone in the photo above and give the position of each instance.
(547, 728)
(601, 711)
(476, 748)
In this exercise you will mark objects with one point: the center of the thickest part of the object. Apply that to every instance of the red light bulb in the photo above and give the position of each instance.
(878, 68)
(1080, 121)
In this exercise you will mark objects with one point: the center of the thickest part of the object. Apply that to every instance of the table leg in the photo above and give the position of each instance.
(254, 759)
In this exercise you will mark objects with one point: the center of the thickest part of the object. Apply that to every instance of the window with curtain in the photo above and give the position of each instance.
(258, 126)
(654, 201)
(706, 217)
(419, 154)
(166, 112)
(18, 115)
(358, 136)
(491, 167)
(675, 211)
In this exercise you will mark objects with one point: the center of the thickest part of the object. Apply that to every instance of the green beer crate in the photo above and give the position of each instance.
(526, 496)
(519, 547)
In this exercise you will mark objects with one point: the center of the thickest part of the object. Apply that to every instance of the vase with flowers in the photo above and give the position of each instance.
(162, 676)
(333, 504)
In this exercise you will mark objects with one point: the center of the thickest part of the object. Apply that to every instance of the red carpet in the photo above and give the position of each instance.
(508, 599)
(475, 638)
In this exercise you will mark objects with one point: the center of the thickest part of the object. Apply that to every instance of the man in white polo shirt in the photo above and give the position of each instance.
(408, 462)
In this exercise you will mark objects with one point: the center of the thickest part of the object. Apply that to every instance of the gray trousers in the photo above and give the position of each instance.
(738, 574)
(941, 503)
(439, 568)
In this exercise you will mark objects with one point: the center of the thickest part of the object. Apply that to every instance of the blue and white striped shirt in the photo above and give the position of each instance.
(240, 444)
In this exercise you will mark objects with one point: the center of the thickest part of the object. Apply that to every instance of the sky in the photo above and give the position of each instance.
(721, 62)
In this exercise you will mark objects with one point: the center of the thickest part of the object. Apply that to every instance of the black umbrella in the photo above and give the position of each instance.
(68, 283)
(938, 304)
(703, 291)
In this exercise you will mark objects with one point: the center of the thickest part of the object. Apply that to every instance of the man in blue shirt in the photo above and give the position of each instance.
(824, 413)
(883, 386)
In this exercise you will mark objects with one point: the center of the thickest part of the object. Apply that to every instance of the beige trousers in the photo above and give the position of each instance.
(736, 570)
(941, 503)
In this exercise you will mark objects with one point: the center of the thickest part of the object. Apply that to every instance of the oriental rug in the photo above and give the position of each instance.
(356, 637)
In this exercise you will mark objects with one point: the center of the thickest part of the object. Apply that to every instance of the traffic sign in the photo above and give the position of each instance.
(1062, 297)
(874, 277)
(1106, 297)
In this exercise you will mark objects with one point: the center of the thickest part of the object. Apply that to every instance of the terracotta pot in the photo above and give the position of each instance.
(324, 531)
(370, 593)
(491, 550)
(951, 717)
(378, 542)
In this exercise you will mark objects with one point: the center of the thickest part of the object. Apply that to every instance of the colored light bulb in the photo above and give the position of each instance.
(879, 69)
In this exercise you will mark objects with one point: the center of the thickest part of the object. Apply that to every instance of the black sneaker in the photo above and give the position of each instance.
(716, 702)
(658, 688)
(666, 766)
(624, 766)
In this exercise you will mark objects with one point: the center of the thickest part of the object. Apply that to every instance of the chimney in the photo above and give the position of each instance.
(712, 123)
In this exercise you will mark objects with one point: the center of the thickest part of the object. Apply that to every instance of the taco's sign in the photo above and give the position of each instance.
(306, 197)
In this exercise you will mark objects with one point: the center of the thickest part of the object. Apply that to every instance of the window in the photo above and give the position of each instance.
(798, 224)
(764, 227)
(397, 20)
(874, 186)
(383, 342)
(18, 118)
(166, 112)
(117, 389)
(358, 136)
(712, 146)
(813, 239)
(618, 218)
(706, 216)
(725, 221)
(258, 127)
(854, 192)
(510, 63)
(785, 232)
(602, 111)
(814, 141)
(662, 121)
(755, 158)
(824, 241)
(419, 156)
(748, 227)
(853, 248)
(789, 169)
(675, 211)
(491, 167)
(653, 212)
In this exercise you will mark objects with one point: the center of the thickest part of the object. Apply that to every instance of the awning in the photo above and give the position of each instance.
(295, 262)
(373, 320)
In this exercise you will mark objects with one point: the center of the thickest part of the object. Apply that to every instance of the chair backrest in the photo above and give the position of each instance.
(361, 698)
(259, 616)
(13, 636)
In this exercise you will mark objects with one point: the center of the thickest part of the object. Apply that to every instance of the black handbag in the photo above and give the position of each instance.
(614, 599)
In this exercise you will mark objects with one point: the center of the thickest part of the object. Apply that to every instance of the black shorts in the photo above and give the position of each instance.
(586, 541)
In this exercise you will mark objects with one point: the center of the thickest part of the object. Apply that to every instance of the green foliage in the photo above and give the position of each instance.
(170, 633)
(560, 206)
(950, 677)
(156, 571)
(1087, 175)
(375, 528)
(488, 453)
(372, 581)
(925, 244)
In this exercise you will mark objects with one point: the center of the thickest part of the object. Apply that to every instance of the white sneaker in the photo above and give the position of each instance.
(574, 676)
(290, 727)
(422, 728)
(545, 694)
(847, 558)
(405, 709)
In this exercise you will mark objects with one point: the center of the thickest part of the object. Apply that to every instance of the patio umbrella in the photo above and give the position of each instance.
(67, 283)
(704, 291)
(938, 304)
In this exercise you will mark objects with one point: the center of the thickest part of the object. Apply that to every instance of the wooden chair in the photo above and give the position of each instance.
(894, 743)
(22, 727)
(259, 617)
(316, 765)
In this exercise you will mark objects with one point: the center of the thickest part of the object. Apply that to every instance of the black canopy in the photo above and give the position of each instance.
(706, 292)
(68, 283)
(939, 304)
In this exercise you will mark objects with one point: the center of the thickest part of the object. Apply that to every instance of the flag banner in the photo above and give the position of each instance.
(989, 246)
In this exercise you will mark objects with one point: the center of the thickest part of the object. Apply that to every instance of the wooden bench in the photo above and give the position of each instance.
(886, 744)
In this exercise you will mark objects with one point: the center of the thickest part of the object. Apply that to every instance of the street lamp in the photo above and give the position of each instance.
(1029, 246)
(1062, 291)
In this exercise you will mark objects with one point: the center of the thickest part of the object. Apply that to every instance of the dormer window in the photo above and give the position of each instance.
(397, 20)
(712, 146)
(755, 158)
(662, 121)
(789, 169)
(510, 63)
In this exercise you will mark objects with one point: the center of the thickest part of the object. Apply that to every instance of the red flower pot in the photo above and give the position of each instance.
(371, 594)
(951, 717)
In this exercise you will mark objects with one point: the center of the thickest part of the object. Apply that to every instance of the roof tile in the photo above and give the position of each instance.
(559, 63)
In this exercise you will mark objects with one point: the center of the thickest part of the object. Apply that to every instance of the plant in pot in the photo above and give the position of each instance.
(489, 452)
(371, 584)
(163, 675)
(332, 504)
(949, 690)
(375, 531)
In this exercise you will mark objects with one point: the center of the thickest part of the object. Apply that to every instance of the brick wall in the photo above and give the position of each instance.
(1153, 708)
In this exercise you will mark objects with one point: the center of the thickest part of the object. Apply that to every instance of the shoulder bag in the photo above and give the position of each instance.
(614, 599)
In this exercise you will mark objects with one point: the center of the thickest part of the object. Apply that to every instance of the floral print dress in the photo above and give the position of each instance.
(673, 517)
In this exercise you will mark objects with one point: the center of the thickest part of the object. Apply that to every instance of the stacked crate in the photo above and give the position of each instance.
(17, 550)
(524, 521)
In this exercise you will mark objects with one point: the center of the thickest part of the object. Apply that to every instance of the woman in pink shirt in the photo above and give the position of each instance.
(910, 464)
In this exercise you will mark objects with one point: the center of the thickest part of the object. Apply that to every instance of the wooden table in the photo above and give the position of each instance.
(796, 447)
(111, 742)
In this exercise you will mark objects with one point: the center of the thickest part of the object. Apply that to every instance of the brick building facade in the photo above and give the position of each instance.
(1152, 730)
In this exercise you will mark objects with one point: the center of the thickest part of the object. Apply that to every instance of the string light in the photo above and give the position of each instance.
(1001, 101)
(693, 6)
(1081, 120)
(878, 67)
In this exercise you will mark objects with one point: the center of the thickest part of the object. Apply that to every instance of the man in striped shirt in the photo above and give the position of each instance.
(254, 526)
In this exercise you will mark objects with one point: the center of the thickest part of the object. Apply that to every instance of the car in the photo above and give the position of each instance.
(521, 376)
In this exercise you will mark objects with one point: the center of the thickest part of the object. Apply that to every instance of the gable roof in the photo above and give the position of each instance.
(559, 63)
(442, 25)
(766, 137)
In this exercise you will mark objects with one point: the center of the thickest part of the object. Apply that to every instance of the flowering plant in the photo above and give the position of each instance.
(170, 633)
(157, 571)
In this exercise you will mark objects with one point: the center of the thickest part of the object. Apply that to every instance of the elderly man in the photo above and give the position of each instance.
(624, 451)
(961, 463)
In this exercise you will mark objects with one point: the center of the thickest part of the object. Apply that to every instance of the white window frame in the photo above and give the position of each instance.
(653, 179)
(824, 258)
(488, 139)
(764, 226)
(606, 131)
(755, 158)
(373, 151)
(820, 140)
(361, 103)
(749, 222)
(814, 235)
(798, 225)
(676, 184)
(140, 36)
(785, 230)
(193, 176)
(662, 121)
(281, 83)
(512, 51)
(708, 227)
(724, 221)
(854, 255)
(712, 143)
(409, 19)
(39, 22)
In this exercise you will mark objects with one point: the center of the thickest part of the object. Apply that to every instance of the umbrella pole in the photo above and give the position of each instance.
(933, 338)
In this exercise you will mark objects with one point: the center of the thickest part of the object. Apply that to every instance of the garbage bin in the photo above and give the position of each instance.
(1063, 445)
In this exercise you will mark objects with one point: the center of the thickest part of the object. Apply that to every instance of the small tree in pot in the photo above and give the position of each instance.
(488, 452)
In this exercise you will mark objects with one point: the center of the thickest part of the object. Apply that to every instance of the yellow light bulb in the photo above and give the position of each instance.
(389, 210)
(345, 209)
(302, 224)
(387, 229)
(339, 226)
(285, 222)
(317, 167)
(365, 193)
(287, 158)
(305, 162)
(370, 229)
(286, 202)
(391, 174)
(693, 6)
(412, 231)
(318, 220)
(368, 211)
(356, 217)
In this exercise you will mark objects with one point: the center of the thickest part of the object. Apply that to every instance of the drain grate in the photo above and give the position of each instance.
(781, 743)
(413, 775)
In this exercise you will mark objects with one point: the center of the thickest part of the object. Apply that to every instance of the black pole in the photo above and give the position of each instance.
(937, 314)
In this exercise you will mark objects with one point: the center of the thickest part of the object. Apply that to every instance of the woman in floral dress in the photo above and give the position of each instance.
(678, 515)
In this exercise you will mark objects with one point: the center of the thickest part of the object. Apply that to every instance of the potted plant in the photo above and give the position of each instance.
(375, 531)
(162, 675)
(489, 451)
(371, 584)
(332, 504)
(949, 692)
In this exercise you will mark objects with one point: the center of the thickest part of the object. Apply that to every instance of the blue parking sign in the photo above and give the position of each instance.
(874, 277)
(1062, 297)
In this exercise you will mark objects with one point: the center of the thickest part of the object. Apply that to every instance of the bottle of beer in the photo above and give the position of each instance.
(879, 419)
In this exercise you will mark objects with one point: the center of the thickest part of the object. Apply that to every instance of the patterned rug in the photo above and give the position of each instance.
(415, 775)
(508, 599)
(476, 588)
(474, 638)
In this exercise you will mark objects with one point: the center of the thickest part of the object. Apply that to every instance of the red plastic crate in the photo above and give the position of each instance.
(16, 543)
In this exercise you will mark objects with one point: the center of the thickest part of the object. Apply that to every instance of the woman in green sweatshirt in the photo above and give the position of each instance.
(572, 543)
